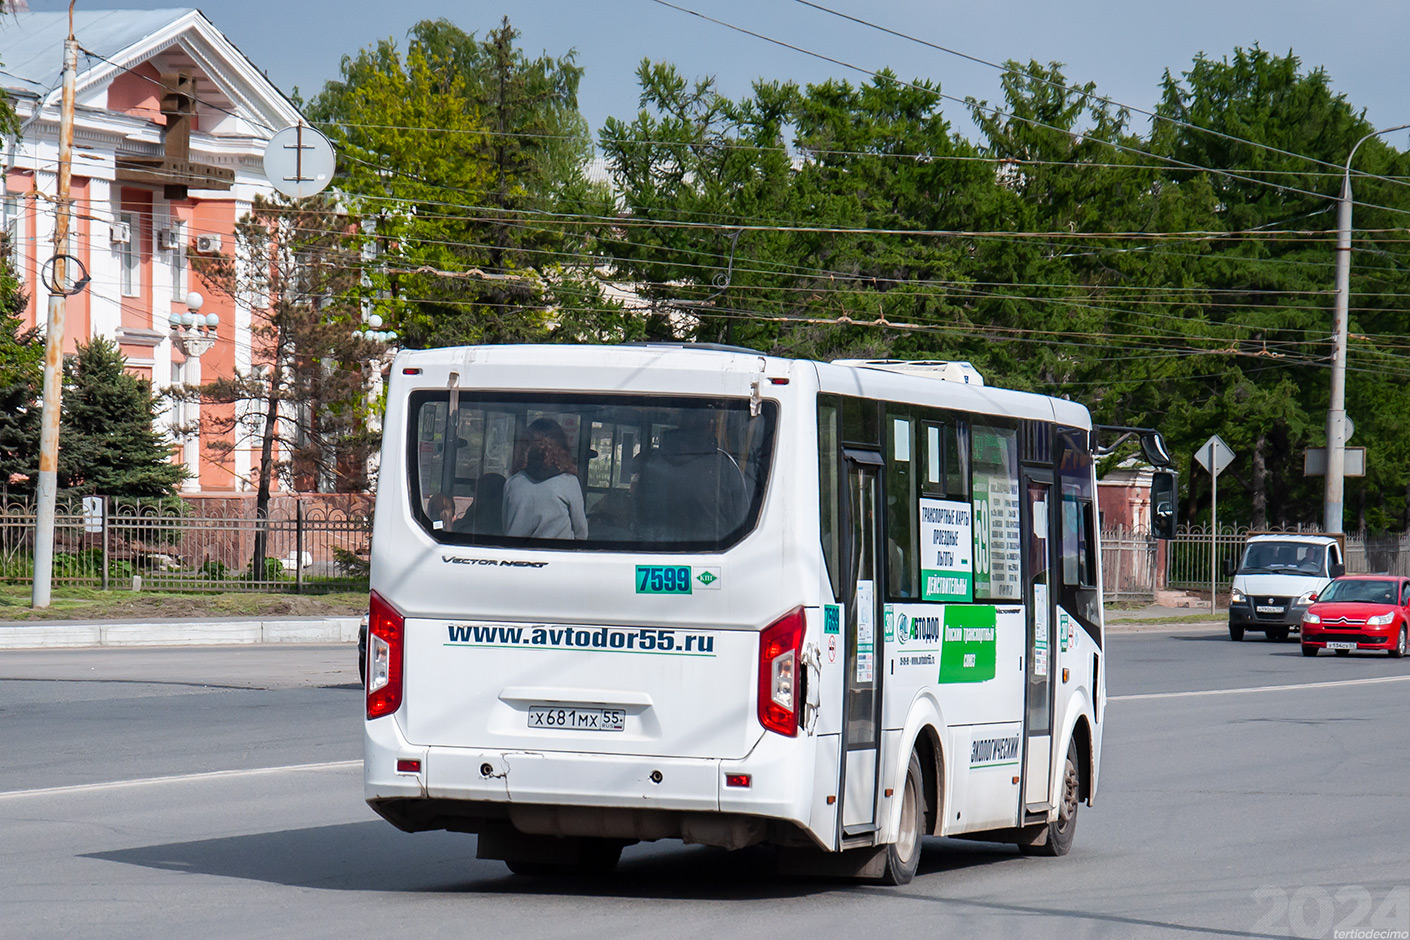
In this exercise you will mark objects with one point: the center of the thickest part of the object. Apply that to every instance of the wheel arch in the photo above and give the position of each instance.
(1082, 736)
(923, 733)
(932, 768)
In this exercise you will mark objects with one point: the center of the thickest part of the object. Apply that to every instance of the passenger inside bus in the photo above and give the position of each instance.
(441, 509)
(688, 488)
(543, 499)
(486, 514)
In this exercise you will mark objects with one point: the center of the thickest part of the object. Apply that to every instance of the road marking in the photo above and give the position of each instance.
(1258, 688)
(179, 778)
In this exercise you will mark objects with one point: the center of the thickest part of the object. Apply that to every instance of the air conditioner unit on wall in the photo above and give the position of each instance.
(168, 240)
(208, 244)
(119, 233)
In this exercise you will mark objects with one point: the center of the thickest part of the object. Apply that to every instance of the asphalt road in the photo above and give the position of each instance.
(1246, 792)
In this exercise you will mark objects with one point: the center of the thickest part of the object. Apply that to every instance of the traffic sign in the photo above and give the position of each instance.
(1314, 463)
(1214, 455)
(299, 161)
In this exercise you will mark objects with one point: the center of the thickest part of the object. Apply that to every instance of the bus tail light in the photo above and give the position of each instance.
(780, 646)
(385, 635)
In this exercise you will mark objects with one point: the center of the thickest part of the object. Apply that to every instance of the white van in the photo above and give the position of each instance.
(1278, 578)
(626, 593)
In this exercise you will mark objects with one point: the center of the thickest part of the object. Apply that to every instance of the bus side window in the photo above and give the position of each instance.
(944, 461)
(830, 492)
(901, 507)
(1078, 541)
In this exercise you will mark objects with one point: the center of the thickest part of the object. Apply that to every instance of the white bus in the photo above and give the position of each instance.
(646, 592)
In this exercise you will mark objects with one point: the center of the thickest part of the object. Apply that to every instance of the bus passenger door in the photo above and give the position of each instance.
(1038, 601)
(861, 734)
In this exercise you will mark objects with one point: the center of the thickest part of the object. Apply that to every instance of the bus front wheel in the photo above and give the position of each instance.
(903, 855)
(1062, 830)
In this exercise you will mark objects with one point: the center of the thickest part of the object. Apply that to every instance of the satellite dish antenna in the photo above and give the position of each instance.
(299, 161)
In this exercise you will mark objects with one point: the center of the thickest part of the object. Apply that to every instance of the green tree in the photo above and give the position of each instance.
(742, 233)
(451, 154)
(108, 444)
(1278, 134)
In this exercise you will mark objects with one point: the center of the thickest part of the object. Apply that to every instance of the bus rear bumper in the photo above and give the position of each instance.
(582, 794)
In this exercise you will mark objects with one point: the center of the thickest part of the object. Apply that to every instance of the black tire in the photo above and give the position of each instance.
(589, 859)
(1062, 830)
(1277, 634)
(1399, 650)
(1309, 650)
(1236, 633)
(903, 855)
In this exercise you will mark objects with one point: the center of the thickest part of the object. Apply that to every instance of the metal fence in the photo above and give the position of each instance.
(194, 545)
(1192, 547)
(322, 544)
(1129, 565)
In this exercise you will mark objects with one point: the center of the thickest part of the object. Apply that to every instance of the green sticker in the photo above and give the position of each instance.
(969, 644)
(832, 618)
(663, 579)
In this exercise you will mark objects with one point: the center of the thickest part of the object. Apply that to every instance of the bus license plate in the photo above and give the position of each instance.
(1341, 646)
(1264, 609)
(577, 719)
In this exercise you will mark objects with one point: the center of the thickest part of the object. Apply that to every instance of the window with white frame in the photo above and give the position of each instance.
(178, 260)
(14, 233)
(131, 256)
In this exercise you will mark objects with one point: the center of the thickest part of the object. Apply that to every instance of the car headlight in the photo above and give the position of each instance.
(1236, 596)
(1380, 620)
(1310, 617)
(1307, 598)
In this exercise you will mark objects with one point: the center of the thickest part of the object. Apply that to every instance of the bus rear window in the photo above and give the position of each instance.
(588, 472)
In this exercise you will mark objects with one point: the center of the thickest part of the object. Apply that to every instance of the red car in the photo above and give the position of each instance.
(1359, 612)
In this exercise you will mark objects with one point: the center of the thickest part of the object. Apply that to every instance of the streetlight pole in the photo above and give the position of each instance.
(46, 491)
(1332, 503)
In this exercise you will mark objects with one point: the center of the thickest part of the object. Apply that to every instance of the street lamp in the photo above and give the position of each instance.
(1332, 503)
(193, 333)
(372, 332)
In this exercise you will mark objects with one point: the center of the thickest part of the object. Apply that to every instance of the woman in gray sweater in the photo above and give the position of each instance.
(544, 500)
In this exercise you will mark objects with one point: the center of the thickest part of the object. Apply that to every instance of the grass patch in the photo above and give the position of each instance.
(81, 603)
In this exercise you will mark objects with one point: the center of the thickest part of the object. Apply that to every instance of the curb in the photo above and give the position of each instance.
(76, 634)
(1164, 626)
(179, 633)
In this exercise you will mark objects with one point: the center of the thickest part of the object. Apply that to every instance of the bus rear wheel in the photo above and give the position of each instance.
(1062, 830)
(583, 856)
(903, 855)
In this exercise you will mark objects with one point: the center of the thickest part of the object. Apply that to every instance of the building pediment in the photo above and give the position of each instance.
(122, 58)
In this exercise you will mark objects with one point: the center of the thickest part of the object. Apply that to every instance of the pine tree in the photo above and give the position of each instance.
(21, 354)
(108, 444)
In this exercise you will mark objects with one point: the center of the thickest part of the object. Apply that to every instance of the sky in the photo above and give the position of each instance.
(1124, 46)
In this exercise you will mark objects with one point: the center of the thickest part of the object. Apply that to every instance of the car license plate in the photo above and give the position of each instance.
(577, 719)
(1341, 646)
(1264, 609)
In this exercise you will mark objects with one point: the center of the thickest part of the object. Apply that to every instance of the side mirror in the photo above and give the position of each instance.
(1312, 598)
(1230, 566)
(1165, 489)
(1153, 446)
(1337, 569)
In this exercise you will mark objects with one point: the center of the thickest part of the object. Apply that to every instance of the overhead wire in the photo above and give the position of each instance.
(1153, 115)
(999, 111)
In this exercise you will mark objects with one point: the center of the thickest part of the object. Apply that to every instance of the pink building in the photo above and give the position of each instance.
(170, 127)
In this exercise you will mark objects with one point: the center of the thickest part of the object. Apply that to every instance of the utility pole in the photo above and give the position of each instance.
(54, 342)
(1333, 498)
